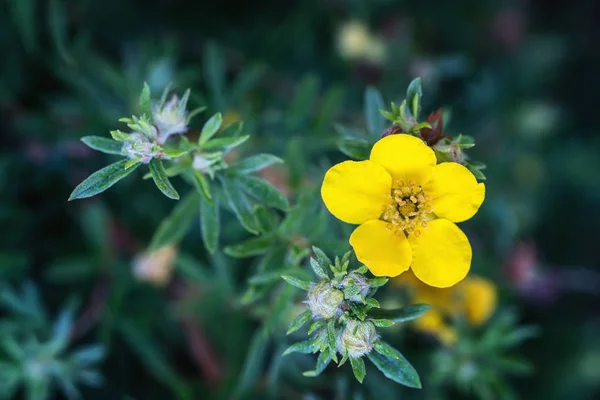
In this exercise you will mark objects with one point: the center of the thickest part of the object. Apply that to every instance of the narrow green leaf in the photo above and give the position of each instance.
(396, 368)
(402, 314)
(358, 368)
(378, 281)
(256, 163)
(332, 338)
(240, 205)
(322, 363)
(202, 185)
(210, 128)
(251, 247)
(102, 144)
(299, 283)
(374, 103)
(132, 162)
(162, 180)
(225, 144)
(150, 354)
(317, 269)
(253, 366)
(304, 347)
(24, 14)
(263, 191)
(299, 321)
(102, 179)
(210, 224)
(214, 74)
(316, 325)
(118, 135)
(304, 99)
(413, 97)
(267, 220)
(385, 349)
(382, 323)
(145, 106)
(322, 258)
(173, 228)
(57, 22)
(357, 149)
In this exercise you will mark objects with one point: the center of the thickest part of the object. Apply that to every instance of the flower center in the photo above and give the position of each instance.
(409, 209)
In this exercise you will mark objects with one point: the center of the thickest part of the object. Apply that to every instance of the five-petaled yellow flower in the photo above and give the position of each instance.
(406, 207)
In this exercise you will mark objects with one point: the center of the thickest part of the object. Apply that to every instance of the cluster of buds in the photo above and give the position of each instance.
(150, 131)
(405, 119)
(345, 318)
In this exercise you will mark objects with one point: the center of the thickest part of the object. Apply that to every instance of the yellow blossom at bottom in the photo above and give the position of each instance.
(474, 298)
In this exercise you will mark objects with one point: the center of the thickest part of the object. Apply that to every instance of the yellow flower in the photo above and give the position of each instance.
(406, 207)
(474, 298)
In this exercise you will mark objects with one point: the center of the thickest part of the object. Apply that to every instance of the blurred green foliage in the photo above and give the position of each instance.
(520, 77)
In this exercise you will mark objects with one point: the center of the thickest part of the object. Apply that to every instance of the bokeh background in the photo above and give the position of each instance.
(521, 77)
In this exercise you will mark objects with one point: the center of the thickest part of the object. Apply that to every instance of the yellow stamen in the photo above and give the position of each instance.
(409, 209)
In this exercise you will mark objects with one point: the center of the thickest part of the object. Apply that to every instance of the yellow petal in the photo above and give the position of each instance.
(441, 255)
(432, 322)
(383, 252)
(405, 157)
(356, 191)
(479, 299)
(456, 195)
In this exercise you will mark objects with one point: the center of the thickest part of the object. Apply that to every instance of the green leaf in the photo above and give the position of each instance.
(102, 179)
(413, 97)
(251, 247)
(202, 185)
(210, 128)
(378, 281)
(332, 338)
(385, 349)
(210, 223)
(299, 283)
(57, 22)
(253, 366)
(225, 144)
(304, 347)
(132, 162)
(267, 220)
(24, 14)
(322, 363)
(358, 368)
(173, 228)
(317, 269)
(240, 205)
(358, 149)
(322, 258)
(299, 321)
(305, 97)
(102, 144)
(382, 323)
(396, 368)
(145, 107)
(214, 74)
(402, 314)
(119, 136)
(162, 180)
(150, 354)
(374, 103)
(263, 191)
(256, 163)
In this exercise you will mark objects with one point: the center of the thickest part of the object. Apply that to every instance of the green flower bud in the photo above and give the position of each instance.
(138, 145)
(357, 339)
(171, 118)
(356, 286)
(324, 300)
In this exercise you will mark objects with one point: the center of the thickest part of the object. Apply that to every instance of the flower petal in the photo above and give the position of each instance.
(441, 255)
(383, 252)
(405, 157)
(456, 195)
(356, 191)
(479, 299)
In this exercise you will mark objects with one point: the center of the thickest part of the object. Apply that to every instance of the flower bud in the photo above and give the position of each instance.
(156, 267)
(324, 300)
(356, 286)
(170, 119)
(357, 339)
(139, 146)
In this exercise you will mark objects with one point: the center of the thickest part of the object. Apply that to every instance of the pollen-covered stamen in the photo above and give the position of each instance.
(409, 210)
